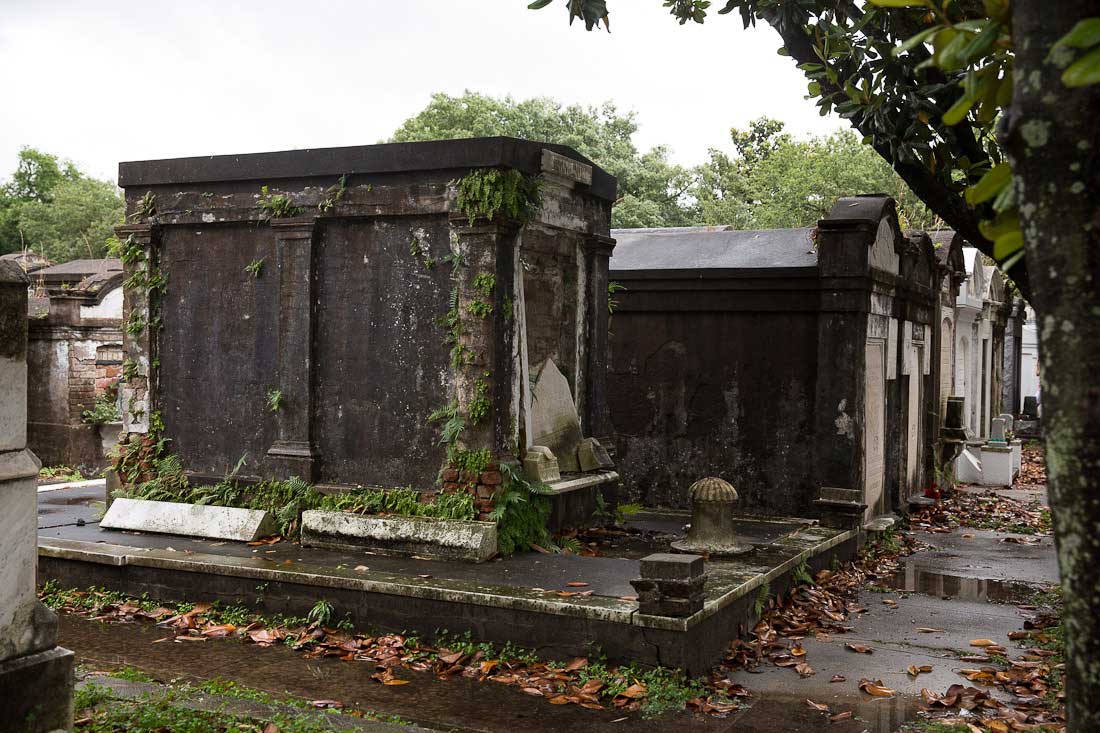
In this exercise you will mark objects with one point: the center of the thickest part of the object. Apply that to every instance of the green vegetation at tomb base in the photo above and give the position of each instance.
(286, 500)
(62, 473)
(105, 410)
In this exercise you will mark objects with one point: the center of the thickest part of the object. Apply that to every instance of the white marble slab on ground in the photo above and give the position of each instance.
(190, 520)
(74, 485)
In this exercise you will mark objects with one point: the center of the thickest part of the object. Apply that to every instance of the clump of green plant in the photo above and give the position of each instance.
(128, 250)
(479, 308)
(801, 573)
(612, 288)
(624, 512)
(255, 268)
(274, 399)
(146, 207)
(135, 324)
(401, 502)
(452, 322)
(321, 613)
(277, 205)
(104, 410)
(453, 424)
(420, 251)
(492, 191)
(485, 283)
(333, 195)
(521, 511)
(480, 407)
(762, 597)
(60, 472)
(473, 461)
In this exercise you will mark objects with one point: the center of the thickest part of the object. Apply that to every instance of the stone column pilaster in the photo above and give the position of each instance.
(294, 453)
(596, 420)
(482, 366)
(36, 676)
(140, 325)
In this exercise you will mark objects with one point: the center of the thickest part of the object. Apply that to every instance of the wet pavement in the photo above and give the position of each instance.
(451, 705)
(73, 514)
(962, 588)
(454, 704)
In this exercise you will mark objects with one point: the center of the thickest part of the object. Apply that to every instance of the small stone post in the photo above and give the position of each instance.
(36, 675)
(671, 585)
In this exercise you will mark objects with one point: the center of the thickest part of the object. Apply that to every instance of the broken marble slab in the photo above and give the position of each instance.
(189, 520)
(592, 456)
(554, 419)
(448, 539)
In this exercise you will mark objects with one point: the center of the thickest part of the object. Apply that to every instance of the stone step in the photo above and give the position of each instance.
(832, 495)
(881, 523)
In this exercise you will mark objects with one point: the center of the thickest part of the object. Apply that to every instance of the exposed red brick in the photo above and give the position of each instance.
(492, 478)
(450, 474)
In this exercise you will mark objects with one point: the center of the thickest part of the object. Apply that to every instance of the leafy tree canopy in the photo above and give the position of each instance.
(650, 186)
(774, 181)
(770, 180)
(51, 208)
(908, 81)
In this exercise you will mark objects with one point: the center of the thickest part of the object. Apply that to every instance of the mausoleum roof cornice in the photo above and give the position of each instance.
(387, 158)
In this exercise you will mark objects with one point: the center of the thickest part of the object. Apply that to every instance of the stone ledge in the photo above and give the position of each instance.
(596, 478)
(594, 608)
(449, 539)
(189, 520)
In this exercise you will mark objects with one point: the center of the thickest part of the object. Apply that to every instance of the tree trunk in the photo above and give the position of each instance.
(1050, 133)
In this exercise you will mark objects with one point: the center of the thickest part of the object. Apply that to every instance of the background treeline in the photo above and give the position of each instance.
(767, 180)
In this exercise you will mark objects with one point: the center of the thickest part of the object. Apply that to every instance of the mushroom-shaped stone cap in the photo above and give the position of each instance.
(712, 488)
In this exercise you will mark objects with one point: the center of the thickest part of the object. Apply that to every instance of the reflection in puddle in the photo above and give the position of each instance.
(773, 714)
(455, 704)
(918, 579)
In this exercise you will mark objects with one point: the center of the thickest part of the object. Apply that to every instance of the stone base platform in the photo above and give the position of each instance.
(37, 691)
(524, 599)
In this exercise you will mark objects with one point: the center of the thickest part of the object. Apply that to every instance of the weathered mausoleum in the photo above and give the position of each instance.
(796, 364)
(330, 314)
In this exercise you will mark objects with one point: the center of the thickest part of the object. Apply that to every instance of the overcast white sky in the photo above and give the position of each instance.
(101, 82)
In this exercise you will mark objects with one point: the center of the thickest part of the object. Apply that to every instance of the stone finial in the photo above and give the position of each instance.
(712, 489)
(711, 530)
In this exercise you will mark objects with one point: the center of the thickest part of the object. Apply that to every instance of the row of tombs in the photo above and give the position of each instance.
(330, 314)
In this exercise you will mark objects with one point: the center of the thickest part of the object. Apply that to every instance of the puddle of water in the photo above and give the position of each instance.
(772, 714)
(455, 704)
(920, 579)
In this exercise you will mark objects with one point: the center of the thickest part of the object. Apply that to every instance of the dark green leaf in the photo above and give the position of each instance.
(1084, 71)
(990, 184)
(1085, 34)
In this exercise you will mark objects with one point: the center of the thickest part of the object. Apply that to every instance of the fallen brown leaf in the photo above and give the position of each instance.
(876, 688)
